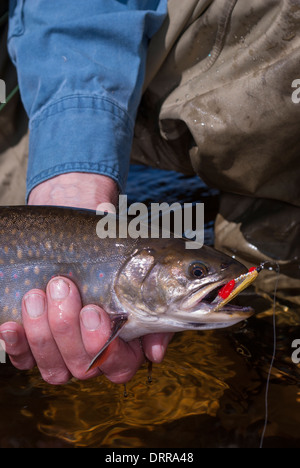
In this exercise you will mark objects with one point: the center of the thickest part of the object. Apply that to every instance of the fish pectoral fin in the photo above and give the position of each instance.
(118, 322)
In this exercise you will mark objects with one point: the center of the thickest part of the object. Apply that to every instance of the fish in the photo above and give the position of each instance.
(146, 285)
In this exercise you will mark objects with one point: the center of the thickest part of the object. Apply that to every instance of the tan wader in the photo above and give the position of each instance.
(218, 103)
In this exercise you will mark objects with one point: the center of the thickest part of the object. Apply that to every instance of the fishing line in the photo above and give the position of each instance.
(273, 353)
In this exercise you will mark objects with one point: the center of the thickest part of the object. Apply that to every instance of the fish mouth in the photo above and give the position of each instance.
(212, 300)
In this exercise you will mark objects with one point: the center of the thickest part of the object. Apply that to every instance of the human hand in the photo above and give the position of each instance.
(58, 335)
(61, 338)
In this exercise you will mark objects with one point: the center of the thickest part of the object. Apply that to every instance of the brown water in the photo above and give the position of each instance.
(209, 391)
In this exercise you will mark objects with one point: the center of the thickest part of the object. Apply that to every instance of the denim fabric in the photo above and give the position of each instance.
(80, 68)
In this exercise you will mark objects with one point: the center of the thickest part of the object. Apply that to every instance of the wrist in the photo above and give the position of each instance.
(75, 189)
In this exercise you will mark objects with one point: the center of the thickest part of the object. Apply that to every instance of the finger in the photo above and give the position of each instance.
(124, 359)
(42, 344)
(95, 328)
(64, 305)
(16, 345)
(155, 345)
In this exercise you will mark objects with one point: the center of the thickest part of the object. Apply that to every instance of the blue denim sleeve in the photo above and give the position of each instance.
(80, 68)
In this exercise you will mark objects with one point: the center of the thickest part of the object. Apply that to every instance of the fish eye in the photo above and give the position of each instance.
(197, 270)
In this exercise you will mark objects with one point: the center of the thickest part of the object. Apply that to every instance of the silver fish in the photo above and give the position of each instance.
(145, 285)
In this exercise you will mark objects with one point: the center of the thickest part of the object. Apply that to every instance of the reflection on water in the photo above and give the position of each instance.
(100, 415)
(208, 392)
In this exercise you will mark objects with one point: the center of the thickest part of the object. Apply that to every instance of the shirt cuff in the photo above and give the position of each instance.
(57, 146)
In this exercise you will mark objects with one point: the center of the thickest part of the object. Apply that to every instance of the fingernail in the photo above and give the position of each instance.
(9, 336)
(35, 305)
(159, 350)
(90, 318)
(59, 289)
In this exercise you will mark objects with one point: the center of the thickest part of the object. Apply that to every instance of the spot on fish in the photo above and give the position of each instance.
(15, 312)
(6, 290)
(85, 288)
(48, 245)
(37, 270)
(20, 254)
(5, 309)
(6, 249)
(1, 274)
